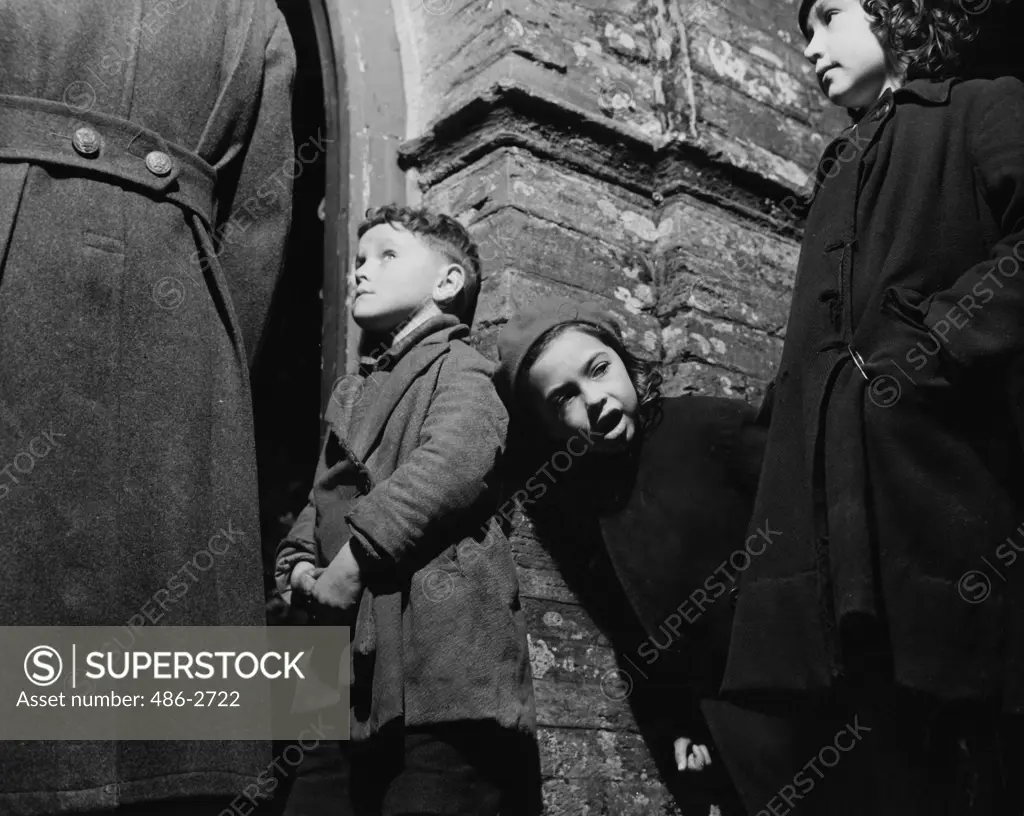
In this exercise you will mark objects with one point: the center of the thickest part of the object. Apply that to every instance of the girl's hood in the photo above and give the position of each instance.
(522, 331)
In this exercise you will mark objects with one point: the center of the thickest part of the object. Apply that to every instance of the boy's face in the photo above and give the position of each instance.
(847, 56)
(579, 384)
(396, 275)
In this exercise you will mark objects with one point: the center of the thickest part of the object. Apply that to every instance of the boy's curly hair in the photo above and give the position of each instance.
(445, 235)
(923, 38)
(643, 373)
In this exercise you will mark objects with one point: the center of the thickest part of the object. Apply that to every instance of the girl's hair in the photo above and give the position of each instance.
(925, 38)
(642, 373)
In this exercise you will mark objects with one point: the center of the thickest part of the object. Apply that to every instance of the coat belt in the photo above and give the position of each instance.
(41, 131)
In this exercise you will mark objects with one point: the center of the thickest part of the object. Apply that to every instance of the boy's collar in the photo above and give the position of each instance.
(387, 360)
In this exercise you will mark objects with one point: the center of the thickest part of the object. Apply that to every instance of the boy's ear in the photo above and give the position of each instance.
(448, 286)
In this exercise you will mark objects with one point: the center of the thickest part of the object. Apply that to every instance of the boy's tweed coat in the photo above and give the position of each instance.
(441, 634)
(898, 493)
(125, 409)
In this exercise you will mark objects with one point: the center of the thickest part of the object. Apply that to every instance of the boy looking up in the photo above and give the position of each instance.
(402, 518)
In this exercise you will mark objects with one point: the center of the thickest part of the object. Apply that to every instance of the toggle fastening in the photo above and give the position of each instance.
(858, 360)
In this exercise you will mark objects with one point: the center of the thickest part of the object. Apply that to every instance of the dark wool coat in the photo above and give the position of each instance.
(130, 131)
(440, 634)
(893, 469)
(677, 541)
(671, 518)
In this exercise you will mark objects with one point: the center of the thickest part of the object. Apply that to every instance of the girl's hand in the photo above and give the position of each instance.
(690, 755)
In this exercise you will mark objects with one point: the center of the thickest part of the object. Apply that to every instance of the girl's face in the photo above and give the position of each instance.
(848, 58)
(579, 384)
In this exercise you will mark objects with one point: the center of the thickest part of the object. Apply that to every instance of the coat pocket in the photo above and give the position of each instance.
(905, 305)
(910, 343)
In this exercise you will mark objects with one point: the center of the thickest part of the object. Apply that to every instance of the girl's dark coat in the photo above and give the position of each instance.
(896, 492)
(671, 522)
(124, 381)
(676, 539)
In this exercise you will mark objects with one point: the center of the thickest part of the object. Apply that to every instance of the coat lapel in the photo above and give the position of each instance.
(413, 363)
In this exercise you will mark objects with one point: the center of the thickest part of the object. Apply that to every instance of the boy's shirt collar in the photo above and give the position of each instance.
(388, 359)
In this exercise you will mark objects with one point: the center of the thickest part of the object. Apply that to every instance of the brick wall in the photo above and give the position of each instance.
(637, 153)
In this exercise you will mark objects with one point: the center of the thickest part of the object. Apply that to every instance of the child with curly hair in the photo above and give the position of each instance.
(881, 629)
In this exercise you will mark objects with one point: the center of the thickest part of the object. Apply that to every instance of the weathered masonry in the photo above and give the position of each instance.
(644, 154)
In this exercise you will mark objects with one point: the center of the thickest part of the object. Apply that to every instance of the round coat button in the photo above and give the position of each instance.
(86, 141)
(158, 162)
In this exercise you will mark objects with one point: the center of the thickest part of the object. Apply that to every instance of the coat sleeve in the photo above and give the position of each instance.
(299, 545)
(455, 463)
(253, 233)
(979, 319)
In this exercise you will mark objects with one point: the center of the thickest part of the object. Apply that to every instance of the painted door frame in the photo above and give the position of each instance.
(365, 112)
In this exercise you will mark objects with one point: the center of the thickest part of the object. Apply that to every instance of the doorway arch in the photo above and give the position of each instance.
(366, 121)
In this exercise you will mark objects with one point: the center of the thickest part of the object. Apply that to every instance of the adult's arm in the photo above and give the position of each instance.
(254, 229)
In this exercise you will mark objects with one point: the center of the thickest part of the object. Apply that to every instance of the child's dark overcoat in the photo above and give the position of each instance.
(897, 493)
(676, 541)
(441, 633)
(125, 408)
(670, 519)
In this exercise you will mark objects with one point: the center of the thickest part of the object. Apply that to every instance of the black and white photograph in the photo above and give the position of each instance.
(511, 407)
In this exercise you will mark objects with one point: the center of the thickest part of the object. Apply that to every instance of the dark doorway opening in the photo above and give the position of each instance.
(286, 376)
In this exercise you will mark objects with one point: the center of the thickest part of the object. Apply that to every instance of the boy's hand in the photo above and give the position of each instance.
(300, 582)
(339, 587)
(302, 578)
(691, 755)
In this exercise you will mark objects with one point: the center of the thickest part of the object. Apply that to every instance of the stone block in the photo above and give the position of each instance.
(724, 267)
(694, 336)
(772, 85)
(691, 377)
(754, 123)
